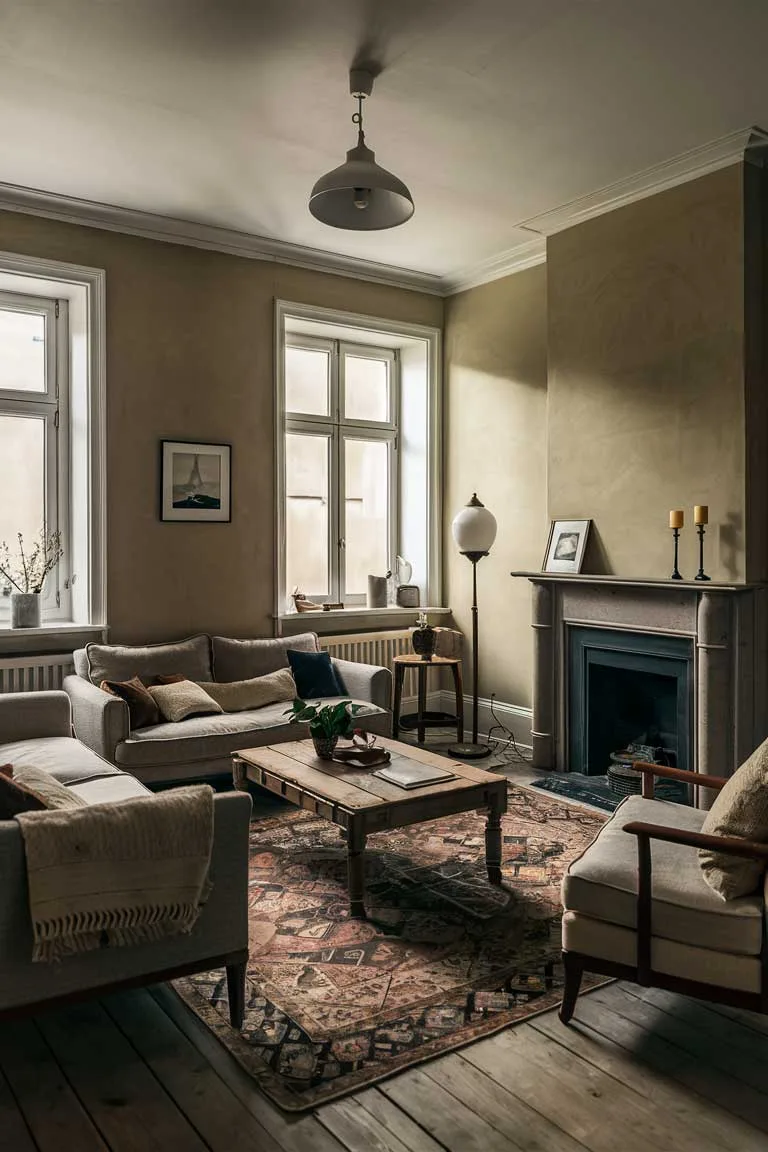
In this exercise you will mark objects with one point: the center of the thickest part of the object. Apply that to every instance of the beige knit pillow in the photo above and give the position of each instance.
(177, 701)
(52, 793)
(740, 809)
(241, 695)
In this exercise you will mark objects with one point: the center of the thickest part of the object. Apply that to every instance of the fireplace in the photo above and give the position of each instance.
(627, 688)
(701, 650)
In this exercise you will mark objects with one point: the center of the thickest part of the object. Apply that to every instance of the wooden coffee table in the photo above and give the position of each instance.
(361, 803)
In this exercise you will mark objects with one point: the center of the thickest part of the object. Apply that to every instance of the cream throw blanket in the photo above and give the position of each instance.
(119, 873)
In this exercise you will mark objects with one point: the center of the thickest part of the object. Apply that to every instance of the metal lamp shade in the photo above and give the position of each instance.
(474, 528)
(383, 201)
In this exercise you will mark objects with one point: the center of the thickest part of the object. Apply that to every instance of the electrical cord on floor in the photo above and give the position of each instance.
(504, 741)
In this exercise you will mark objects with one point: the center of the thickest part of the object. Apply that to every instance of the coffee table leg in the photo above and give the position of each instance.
(239, 778)
(356, 870)
(493, 843)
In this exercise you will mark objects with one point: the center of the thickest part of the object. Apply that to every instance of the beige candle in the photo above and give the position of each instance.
(677, 518)
(701, 514)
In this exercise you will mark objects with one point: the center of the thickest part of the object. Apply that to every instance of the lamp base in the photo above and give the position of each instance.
(469, 751)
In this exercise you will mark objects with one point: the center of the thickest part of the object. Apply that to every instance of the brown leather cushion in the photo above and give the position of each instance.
(142, 709)
(14, 797)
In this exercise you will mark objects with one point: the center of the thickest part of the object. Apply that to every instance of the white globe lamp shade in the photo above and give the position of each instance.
(474, 528)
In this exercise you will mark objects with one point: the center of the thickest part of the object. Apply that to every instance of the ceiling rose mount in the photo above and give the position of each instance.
(360, 194)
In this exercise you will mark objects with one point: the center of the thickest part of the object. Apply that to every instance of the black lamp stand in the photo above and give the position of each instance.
(472, 750)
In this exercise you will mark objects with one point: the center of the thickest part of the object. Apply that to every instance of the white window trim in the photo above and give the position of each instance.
(84, 289)
(432, 337)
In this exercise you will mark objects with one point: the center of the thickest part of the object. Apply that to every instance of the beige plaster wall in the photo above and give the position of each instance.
(646, 377)
(496, 405)
(190, 356)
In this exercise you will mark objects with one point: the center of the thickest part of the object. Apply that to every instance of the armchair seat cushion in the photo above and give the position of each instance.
(602, 885)
(619, 945)
(213, 737)
(66, 759)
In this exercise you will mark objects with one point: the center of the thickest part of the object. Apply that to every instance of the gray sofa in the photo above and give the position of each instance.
(36, 729)
(202, 745)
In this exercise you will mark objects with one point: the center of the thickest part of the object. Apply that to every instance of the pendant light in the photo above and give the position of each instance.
(359, 194)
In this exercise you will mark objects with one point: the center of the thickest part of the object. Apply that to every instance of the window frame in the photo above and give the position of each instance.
(51, 405)
(338, 429)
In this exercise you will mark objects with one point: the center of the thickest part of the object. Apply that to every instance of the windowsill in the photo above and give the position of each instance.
(354, 619)
(57, 636)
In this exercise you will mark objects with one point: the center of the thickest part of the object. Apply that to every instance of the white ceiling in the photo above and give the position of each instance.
(492, 111)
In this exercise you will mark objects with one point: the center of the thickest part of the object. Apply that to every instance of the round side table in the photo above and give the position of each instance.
(422, 719)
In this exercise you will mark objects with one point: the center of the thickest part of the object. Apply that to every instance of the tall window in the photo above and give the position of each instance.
(341, 466)
(34, 441)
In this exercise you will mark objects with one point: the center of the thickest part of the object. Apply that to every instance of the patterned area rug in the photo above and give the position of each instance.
(444, 958)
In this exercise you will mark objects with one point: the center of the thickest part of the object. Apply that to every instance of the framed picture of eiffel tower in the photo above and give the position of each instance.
(195, 481)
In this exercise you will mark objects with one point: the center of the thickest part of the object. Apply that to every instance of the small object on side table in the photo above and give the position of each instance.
(700, 518)
(676, 522)
(423, 637)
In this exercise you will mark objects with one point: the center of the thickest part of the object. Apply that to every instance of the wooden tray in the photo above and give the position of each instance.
(362, 757)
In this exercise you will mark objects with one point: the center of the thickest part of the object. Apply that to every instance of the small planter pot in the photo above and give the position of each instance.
(25, 609)
(325, 746)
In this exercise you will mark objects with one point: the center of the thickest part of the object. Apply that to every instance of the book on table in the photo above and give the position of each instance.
(410, 774)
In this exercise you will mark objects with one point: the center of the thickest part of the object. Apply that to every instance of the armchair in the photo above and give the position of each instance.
(650, 917)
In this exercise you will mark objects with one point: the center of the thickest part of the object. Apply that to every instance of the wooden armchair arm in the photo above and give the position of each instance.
(697, 779)
(732, 845)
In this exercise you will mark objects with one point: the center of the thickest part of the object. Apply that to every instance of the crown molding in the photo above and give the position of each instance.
(152, 226)
(750, 143)
(747, 143)
(517, 259)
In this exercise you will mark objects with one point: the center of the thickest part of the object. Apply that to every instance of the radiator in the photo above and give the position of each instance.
(34, 673)
(376, 648)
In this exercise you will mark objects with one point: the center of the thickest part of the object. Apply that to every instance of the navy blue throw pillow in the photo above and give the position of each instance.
(314, 674)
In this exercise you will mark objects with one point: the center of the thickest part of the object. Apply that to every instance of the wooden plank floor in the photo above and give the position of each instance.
(639, 1070)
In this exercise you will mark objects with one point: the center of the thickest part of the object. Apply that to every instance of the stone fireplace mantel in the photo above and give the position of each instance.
(726, 622)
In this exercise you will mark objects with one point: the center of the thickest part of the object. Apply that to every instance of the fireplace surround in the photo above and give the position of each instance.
(721, 626)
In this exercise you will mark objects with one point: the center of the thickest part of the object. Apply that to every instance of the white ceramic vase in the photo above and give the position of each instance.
(25, 609)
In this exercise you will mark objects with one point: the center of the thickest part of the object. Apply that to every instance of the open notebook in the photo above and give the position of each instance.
(410, 774)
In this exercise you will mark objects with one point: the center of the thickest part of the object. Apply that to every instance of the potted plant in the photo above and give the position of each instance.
(327, 723)
(26, 572)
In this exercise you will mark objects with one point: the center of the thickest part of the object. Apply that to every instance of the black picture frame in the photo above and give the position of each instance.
(195, 482)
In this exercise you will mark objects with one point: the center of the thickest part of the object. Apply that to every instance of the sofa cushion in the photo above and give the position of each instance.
(245, 695)
(602, 884)
(142, 708)
(65, 758)
(51, 791)
(190, 658)
(739, 809)
(314, 674)
(245, 659)
(181, 699)
(110, 789)
(213, 737)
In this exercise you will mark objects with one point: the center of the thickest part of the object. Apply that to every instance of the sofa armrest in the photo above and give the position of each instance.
(366, 682)
(100, 721)
(27, 715)
(684, 775)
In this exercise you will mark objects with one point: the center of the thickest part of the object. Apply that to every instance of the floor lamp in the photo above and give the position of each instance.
(474, 531)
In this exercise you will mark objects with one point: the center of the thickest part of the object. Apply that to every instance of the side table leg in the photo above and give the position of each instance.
(356, 870)
(421, 732)
(239, 778)
(398, 696)
(493, 842)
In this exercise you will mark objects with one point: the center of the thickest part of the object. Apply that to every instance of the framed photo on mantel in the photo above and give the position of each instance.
(195, 481)
(566, 546)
